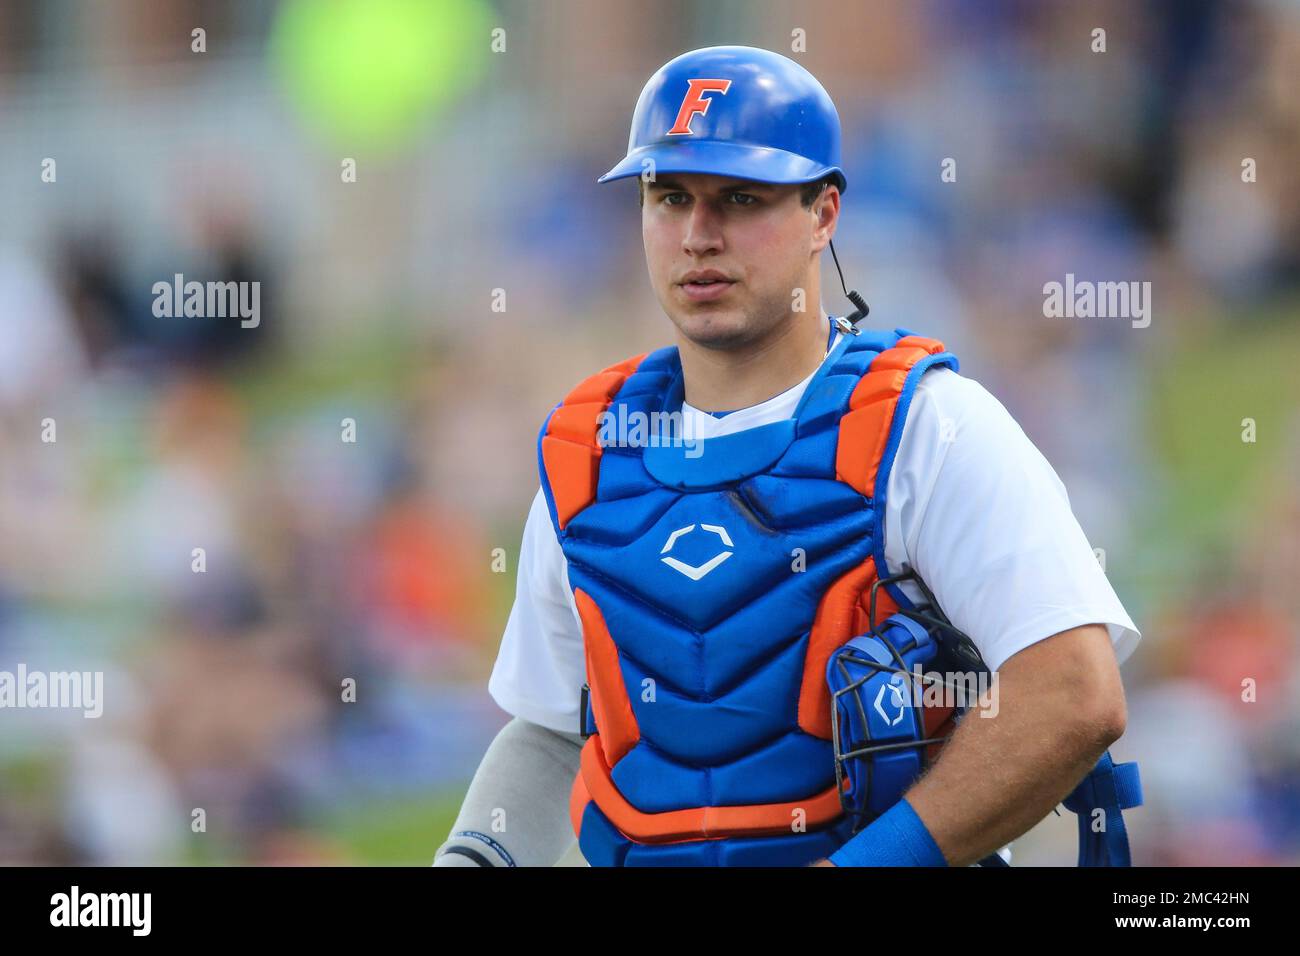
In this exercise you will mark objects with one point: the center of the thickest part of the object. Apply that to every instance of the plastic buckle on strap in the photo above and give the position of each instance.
(584, 703)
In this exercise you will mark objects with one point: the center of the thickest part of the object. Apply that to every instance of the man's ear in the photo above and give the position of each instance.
(827, 211)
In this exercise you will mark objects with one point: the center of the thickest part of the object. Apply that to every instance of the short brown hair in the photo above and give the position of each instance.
(808, 192)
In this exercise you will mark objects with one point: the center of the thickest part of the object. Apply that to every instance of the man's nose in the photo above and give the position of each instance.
(703, 230)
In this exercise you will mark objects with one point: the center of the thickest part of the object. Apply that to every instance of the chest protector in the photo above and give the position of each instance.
(713, 582)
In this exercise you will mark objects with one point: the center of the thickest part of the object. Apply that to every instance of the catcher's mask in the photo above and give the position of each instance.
(882, 729)
(886, 724)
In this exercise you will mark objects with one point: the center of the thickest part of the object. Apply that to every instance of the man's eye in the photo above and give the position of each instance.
(748, 199)
(668, 199)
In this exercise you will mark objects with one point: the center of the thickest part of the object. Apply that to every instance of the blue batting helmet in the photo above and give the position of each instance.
(734, 111)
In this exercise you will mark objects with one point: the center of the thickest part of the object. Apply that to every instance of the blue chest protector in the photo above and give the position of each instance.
(715, 579)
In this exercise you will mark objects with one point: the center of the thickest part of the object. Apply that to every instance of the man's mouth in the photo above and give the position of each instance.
(706, 285)
(704, 276)
(706, 290)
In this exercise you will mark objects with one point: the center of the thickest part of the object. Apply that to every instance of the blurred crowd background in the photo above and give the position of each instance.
(477, 130)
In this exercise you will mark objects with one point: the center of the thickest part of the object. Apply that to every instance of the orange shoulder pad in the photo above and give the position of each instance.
(864, 429)
(570, 452)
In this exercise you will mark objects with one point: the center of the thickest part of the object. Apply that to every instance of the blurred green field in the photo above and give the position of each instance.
(1210, 481)
(396, 833)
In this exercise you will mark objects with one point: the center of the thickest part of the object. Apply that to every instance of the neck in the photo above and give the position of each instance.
(718, 381)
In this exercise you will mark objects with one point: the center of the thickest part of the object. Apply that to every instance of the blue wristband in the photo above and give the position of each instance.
(896, 838)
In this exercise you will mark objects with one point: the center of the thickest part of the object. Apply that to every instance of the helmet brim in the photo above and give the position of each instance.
(762, 164)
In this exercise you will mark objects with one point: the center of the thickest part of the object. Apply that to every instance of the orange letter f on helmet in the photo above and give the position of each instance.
(696, 103)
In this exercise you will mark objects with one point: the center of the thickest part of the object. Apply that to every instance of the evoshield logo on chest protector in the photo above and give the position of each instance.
(697, 571)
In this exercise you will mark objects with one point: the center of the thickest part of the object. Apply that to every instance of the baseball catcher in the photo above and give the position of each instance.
(792, 591)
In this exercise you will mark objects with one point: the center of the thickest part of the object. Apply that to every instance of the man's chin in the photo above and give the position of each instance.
(716, 328)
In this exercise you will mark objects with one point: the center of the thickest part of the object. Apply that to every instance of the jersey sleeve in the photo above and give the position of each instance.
(540, 668)
(982, 516)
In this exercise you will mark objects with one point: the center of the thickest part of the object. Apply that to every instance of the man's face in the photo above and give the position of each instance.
(726, 255)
